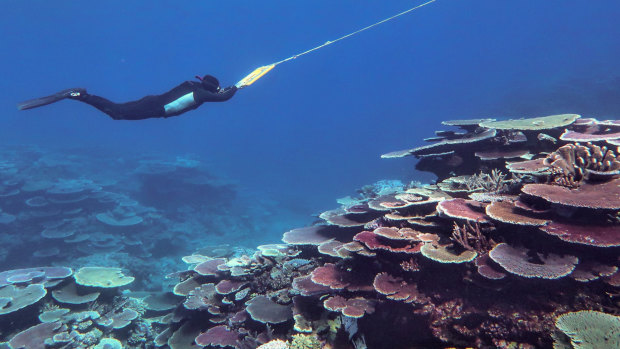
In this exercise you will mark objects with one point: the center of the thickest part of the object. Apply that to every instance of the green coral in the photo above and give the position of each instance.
(52, 315)
(14, 298)
(109, 343)
(334, 325)
(84, 325)
(440, 253)
(136, 304)
(302, 324)
(305, 341)
(590, 329)
(102, 277)
(91, 338)
(539, 123)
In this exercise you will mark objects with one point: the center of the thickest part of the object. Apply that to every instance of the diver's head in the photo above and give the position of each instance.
(210, 83)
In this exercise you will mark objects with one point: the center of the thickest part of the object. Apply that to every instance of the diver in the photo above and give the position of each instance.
(187, 96)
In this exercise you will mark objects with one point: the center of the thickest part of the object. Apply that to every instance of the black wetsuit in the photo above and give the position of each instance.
(187, 96)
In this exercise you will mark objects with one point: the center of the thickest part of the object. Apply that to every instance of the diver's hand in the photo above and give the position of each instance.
(225, 90)
(220, 96)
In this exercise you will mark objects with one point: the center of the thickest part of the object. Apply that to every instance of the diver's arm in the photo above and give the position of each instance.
(223, 95)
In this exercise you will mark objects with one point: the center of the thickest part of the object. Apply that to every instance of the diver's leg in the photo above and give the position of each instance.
(105, 105)
(144, 108)
(141, 109)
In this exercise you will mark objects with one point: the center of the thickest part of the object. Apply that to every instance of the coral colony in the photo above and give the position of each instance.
(515, 246)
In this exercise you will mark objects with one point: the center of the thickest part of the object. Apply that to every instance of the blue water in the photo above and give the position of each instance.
(226, 177)
(311, 130)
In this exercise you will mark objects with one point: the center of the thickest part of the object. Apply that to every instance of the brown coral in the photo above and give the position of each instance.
(593, 196)
(471, 237)
(573, 163)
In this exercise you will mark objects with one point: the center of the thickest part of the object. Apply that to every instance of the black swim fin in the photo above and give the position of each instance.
(39, 102)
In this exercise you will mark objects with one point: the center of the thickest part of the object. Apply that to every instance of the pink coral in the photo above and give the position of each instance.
(353, 307)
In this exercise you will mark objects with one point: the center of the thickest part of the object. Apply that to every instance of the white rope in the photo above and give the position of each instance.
(354, 33)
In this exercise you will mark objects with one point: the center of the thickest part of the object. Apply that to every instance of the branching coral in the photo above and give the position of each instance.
(411, 265)
(471, 237)
(487, 182)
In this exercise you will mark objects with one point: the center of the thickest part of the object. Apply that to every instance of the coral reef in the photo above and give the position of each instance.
(515, 246)
(485, 259)
(90, 208)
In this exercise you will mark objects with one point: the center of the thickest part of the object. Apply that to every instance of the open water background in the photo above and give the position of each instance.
(313, 129)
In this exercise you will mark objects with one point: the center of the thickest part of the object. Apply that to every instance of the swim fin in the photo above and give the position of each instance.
(39, 102)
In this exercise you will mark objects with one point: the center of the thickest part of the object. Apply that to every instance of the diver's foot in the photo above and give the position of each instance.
(72, 93)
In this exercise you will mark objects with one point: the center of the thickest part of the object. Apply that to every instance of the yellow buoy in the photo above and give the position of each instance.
(255, 75)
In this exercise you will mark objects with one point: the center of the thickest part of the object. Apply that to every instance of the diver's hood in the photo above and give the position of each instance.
(210, 83)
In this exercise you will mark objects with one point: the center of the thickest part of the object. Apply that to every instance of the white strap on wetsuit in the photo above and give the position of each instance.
(180, 104)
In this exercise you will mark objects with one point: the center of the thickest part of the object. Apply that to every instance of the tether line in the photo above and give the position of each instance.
(261, 71)
(354, 33)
